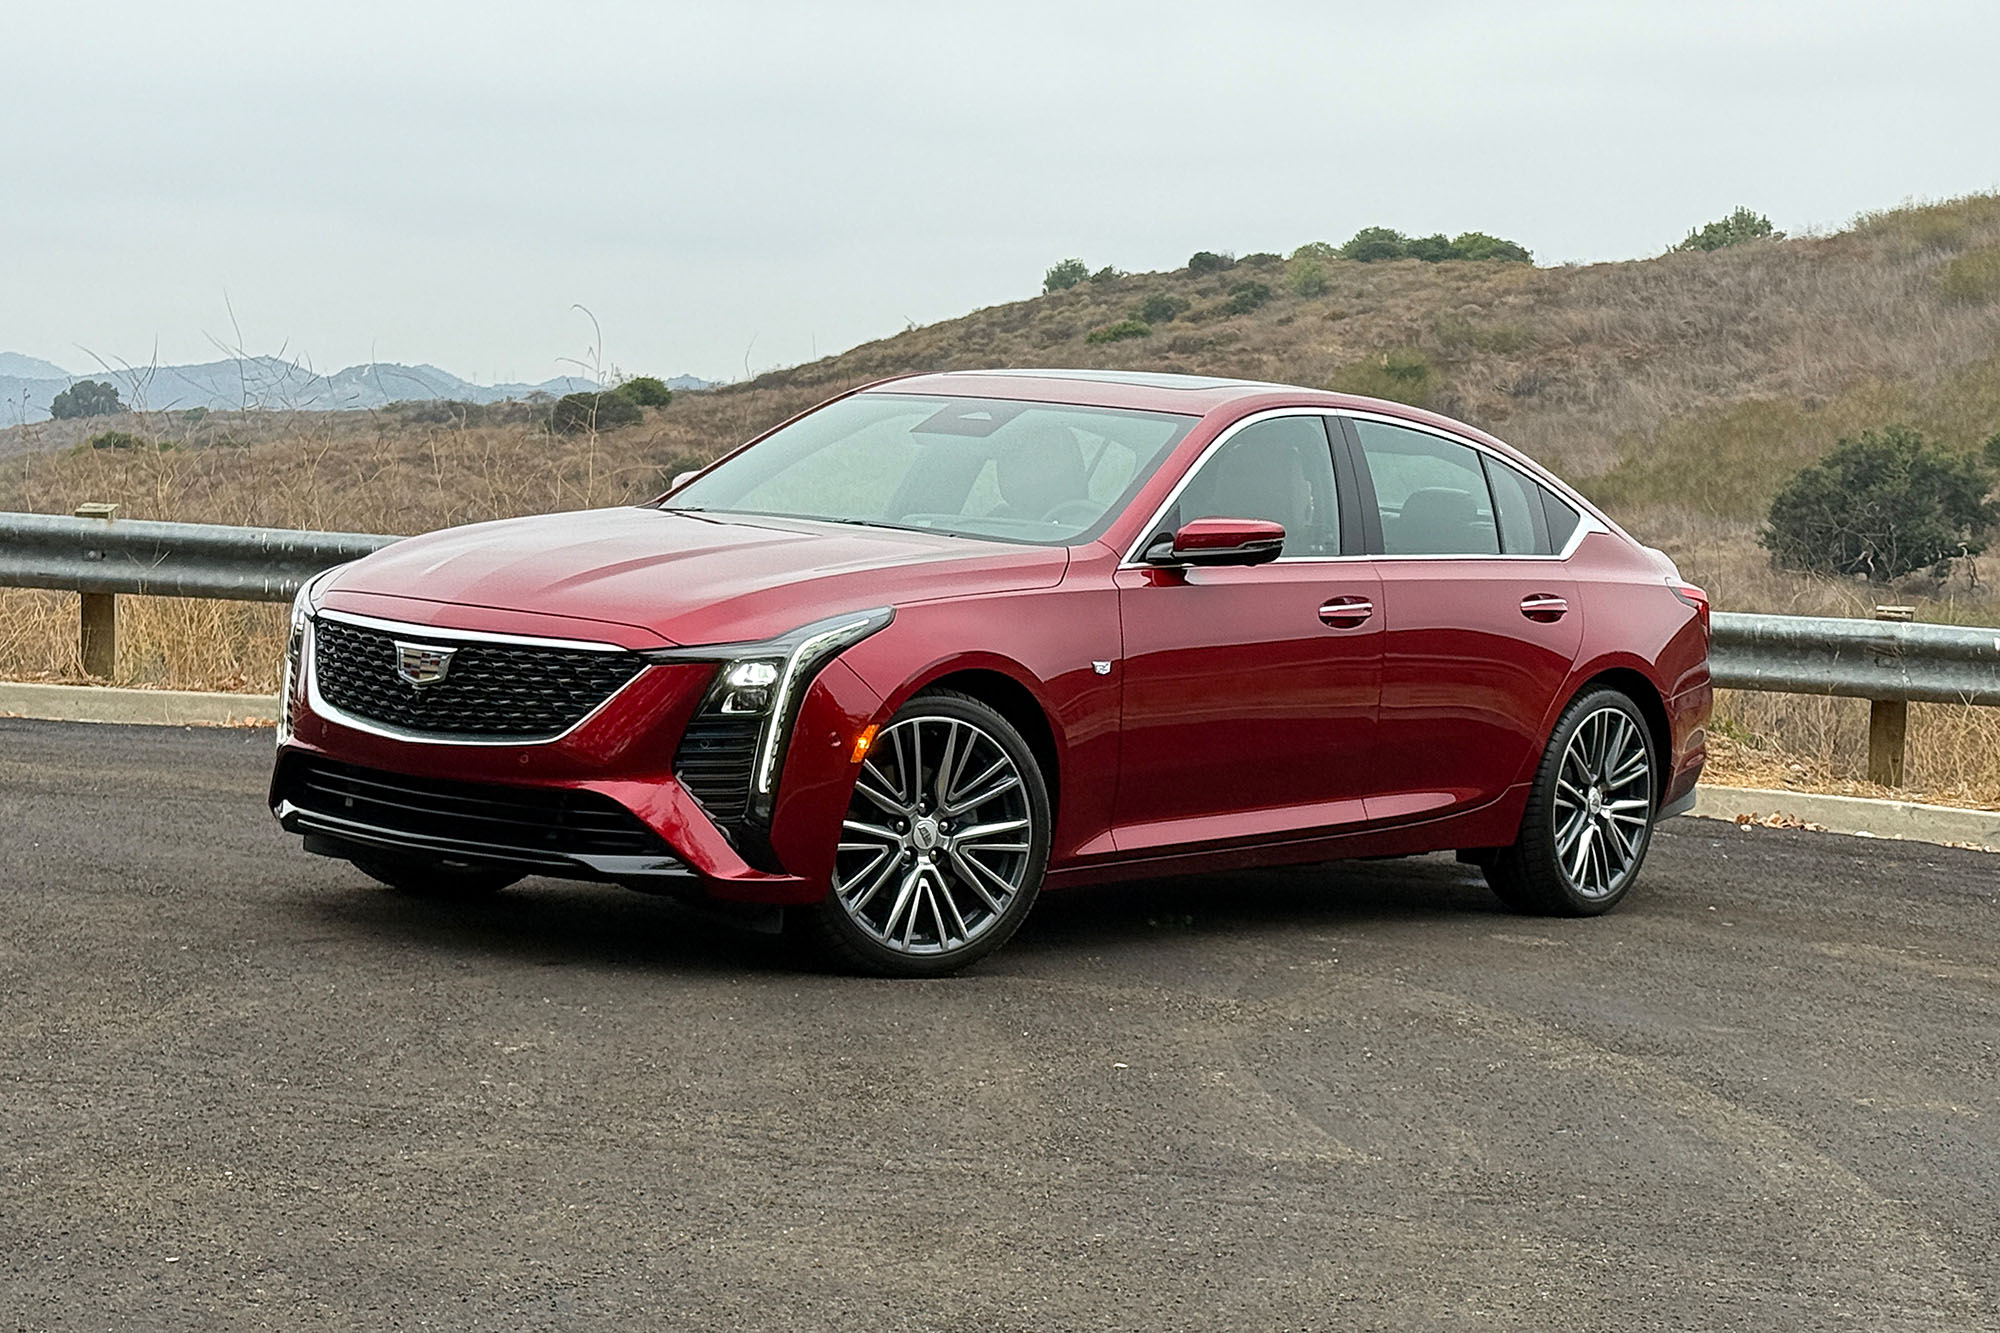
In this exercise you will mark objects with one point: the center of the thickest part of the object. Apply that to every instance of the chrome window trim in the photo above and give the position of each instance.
(1587, 520)
(319, 705)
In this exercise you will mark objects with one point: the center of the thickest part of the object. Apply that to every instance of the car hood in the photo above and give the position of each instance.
(690, 578)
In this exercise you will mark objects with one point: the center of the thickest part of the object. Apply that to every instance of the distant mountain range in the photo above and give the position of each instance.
(28, 384)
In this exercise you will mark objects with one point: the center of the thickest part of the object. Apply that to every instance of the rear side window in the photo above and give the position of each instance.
(1517, 505)
(1561, 517)
(1431, 493)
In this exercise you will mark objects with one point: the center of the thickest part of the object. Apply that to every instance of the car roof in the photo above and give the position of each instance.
(1152, 391)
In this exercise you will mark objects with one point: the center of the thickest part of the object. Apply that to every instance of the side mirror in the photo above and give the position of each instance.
(1219, 541)
(683, 478)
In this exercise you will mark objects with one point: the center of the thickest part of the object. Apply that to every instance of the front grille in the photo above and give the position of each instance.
(545, 824)
(714, 762)
(491, 690)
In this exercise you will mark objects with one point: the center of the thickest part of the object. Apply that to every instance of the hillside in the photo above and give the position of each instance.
(1679, 391)
(265, 383)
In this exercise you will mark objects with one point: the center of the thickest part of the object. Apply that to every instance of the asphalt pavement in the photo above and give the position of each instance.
(241, 1087)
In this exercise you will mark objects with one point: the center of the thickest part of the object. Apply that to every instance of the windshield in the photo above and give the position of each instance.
(977, 467)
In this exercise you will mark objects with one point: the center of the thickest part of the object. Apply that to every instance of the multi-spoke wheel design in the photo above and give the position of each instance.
(1590, 815)
(944, 843)
(1603, 802)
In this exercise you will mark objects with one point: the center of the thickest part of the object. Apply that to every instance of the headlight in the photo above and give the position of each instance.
(764, 683)
(293, 674)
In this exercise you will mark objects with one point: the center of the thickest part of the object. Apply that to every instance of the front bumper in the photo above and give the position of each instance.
(355, 791)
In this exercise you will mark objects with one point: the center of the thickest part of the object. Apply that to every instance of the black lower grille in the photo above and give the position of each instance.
(498, 691)
(716, 756)
(544, 824)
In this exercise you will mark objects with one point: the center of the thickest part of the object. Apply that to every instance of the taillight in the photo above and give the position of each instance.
(1695, 598)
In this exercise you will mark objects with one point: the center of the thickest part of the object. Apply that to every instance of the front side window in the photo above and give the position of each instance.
(1042, 473)
(1431, 493)
(1280, 470)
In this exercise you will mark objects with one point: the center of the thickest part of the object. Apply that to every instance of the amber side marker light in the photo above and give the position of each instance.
(862, 743)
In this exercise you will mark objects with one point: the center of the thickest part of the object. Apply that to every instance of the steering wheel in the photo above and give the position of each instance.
(1074, 513)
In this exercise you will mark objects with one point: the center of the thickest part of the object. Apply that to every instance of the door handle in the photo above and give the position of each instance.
(1544, 607)
(1346, 612)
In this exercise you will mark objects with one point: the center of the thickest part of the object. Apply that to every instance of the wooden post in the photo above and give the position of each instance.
(98, 640)
(1888, 721)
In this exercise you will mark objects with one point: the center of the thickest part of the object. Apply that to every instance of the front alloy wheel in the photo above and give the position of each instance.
(1590, 814)
(944, 844)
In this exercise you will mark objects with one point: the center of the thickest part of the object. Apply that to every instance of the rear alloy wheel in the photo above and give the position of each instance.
(944, 844)
(1590, 815)
(435, 879)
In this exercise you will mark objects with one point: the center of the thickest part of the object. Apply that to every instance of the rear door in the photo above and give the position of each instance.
(1250, 693)
(1481, 620)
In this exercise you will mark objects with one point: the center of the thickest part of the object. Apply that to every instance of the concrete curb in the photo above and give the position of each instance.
(103, 703)
(1854, 814)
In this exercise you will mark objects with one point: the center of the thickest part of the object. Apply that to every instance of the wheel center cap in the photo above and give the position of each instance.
(1596, 801)
(924, 834)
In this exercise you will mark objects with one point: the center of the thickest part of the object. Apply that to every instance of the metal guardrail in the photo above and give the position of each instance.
(95, 554)
(1861, 659)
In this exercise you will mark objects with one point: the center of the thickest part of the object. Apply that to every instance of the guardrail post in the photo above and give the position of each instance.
(1888, 720)
(98, 636)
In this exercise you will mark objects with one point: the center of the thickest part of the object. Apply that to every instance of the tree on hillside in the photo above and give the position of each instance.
(579, 413)
(1884, 505)
(646, 391)
(1478, 245)
(1372, 244)
(1063, 276)
(1738, 227)
(86, 398)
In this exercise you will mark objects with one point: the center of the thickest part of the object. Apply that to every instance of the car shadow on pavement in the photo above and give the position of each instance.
(557, 923)
(1285, 899)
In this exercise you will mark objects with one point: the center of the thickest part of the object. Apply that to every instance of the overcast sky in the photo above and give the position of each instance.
(724, 183)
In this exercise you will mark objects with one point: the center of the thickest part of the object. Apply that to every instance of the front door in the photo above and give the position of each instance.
(1250, 693)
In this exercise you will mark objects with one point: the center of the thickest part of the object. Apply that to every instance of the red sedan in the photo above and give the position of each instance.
(907, 659)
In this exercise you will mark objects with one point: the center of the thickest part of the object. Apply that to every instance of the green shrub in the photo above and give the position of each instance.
(1973, 276)
(1478, 245)
(1309, 278)
(1107, 274)
(1403, 375)
(1738, 227)
(578, 413)
(1119, 332)
(646, 391)
(1063, 276)
(1372, 245)
(1247, 296)
(86, 398)
(118, 439)
(1209, 261)
(1431, 249)
(1886, 504)
(1315, 250)
(1261, 259)
(1160, 308)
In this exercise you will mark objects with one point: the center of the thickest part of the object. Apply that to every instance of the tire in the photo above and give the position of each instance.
(912, 895)
(421, 878)
(1590, 813)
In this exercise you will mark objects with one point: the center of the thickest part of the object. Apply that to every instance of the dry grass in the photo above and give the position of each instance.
(1679, 391)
